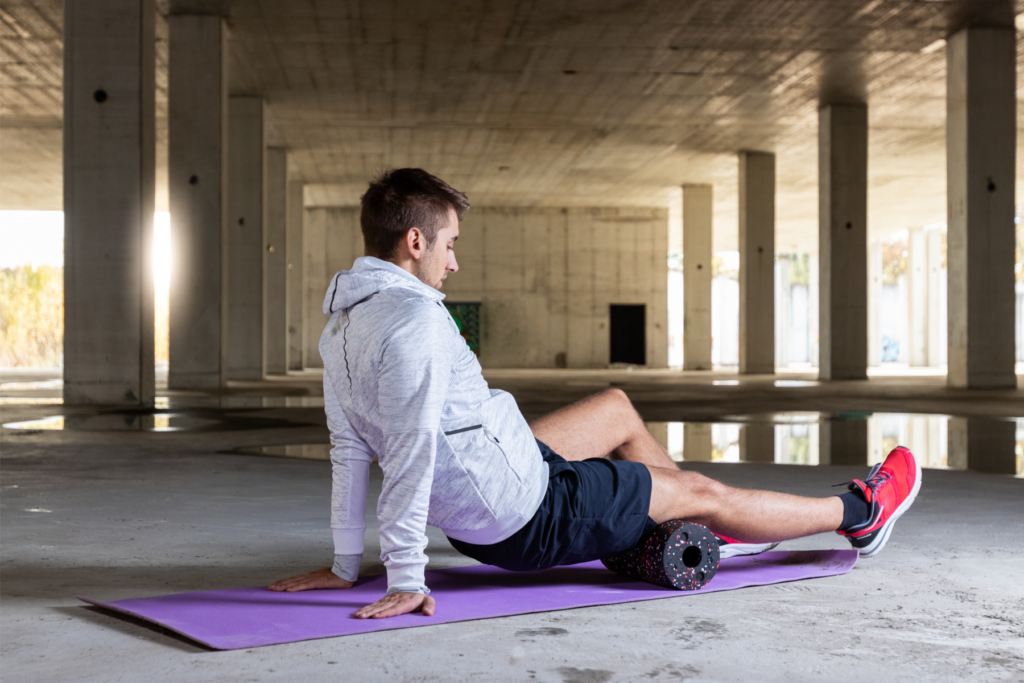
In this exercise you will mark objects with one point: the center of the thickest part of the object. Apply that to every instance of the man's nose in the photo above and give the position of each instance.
(453, 265)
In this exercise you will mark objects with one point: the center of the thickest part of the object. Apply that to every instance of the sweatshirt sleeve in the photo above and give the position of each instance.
(350, 464)
(413, 380)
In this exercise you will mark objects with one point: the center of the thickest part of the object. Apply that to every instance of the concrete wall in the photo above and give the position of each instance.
(332, 242)
(545, 277)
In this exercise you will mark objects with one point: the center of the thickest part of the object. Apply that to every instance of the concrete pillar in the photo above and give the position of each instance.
(843, 442)
(275, 264)
(757, 443)
(842, 240)
(980, 155)
(936, 299)
(697, 442)
(757, 262)
(875, 267)
(917, 298)
(659, 430)
(782, 312)
(982, 444)
(296, 286)
(813, 288)
(109, 195)
(697, 251)
(246, 238)
(197, 185)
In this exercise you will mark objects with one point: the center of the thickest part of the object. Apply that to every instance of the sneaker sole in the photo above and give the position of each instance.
(740, 549)
(875, 547)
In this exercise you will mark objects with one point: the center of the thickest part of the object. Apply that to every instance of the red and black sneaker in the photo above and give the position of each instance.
(730, 547)
(890, 490)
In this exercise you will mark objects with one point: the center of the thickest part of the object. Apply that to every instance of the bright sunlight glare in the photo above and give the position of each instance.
(36, 238)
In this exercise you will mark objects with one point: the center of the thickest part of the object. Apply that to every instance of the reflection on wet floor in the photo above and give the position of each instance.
(939, 441)
(144, 421)
(308, 451)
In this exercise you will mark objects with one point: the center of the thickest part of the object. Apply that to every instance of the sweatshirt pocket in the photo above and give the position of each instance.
(485, 462)
(456, 498)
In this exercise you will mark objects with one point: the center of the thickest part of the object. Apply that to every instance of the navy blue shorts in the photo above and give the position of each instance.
(592, 509)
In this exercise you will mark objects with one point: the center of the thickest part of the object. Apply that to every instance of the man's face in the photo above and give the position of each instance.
(439, 258)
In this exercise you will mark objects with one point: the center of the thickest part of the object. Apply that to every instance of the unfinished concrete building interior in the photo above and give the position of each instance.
(789, 230)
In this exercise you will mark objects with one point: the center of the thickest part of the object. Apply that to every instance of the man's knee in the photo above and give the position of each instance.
(616, 396)
(698, 487)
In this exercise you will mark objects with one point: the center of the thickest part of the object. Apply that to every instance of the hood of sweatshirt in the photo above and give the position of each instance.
(370, 275)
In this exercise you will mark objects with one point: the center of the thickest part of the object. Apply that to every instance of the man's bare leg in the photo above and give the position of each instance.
(607, 425)
(599, 426)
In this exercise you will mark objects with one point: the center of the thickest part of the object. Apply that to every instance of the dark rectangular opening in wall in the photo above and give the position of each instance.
(628, 327)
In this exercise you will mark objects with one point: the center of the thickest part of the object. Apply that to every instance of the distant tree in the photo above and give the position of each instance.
(31, 316)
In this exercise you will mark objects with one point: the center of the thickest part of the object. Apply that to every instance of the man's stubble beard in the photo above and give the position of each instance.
(423, 272)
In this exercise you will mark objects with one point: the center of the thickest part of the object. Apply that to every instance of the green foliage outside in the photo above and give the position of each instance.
(799, 268)
(894, 258)
(719, 267)
(31, 316)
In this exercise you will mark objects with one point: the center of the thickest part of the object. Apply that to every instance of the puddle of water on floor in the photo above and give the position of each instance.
(311, 451)
(803, 438)
(129, 421)
(32, 386)
(30, 401)
(161, 422)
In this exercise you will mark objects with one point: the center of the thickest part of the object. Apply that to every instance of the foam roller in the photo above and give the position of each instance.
(677, 554)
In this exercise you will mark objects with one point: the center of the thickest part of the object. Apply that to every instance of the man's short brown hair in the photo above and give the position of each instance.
(400, 199)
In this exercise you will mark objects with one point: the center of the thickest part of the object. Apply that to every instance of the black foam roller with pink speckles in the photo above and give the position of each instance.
(677, 554)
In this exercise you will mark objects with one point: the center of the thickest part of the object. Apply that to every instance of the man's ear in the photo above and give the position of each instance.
(415, 243)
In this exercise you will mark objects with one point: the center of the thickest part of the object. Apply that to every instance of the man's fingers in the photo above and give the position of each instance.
(396, 604)
(321, 578)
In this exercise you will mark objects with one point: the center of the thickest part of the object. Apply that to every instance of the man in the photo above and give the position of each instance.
(583, 483)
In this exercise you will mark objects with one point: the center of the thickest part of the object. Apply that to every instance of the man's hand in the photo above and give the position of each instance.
(397, 603)
(318, 578)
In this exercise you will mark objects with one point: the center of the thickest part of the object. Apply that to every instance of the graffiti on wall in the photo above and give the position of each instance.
(467, 317)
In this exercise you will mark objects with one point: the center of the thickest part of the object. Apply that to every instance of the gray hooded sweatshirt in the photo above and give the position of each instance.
(400, 382)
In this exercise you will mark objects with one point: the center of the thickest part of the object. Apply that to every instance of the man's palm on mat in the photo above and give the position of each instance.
(389, 606)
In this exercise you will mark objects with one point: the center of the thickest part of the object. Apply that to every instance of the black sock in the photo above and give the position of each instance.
(855, 509)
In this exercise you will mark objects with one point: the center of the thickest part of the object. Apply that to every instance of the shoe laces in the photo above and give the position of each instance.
(877, 478)
(874, 481)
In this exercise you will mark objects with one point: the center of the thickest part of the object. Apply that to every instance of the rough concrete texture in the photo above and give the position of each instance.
(116, 515)
(545, 277)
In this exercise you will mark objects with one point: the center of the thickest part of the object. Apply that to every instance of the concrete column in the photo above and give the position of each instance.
(936, 299)
(875, 303)
(843, 442)
(982, 444)
(980, 155)
(917, 298)
(697, 250)
(197, 184)
(109, 194)
(757, 443)
(246, 238)
(697, 442)
(813, 288)
(296, 286)
(842, 240)
(275, 264)
(782, 312)
(757, 262)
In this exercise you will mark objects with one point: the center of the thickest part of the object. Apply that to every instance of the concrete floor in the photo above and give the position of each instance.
(113, 515)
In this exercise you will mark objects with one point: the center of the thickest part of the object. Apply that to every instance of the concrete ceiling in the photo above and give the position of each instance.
(552, 103)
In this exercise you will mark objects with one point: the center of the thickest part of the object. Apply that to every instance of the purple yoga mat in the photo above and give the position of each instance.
(251, 617)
